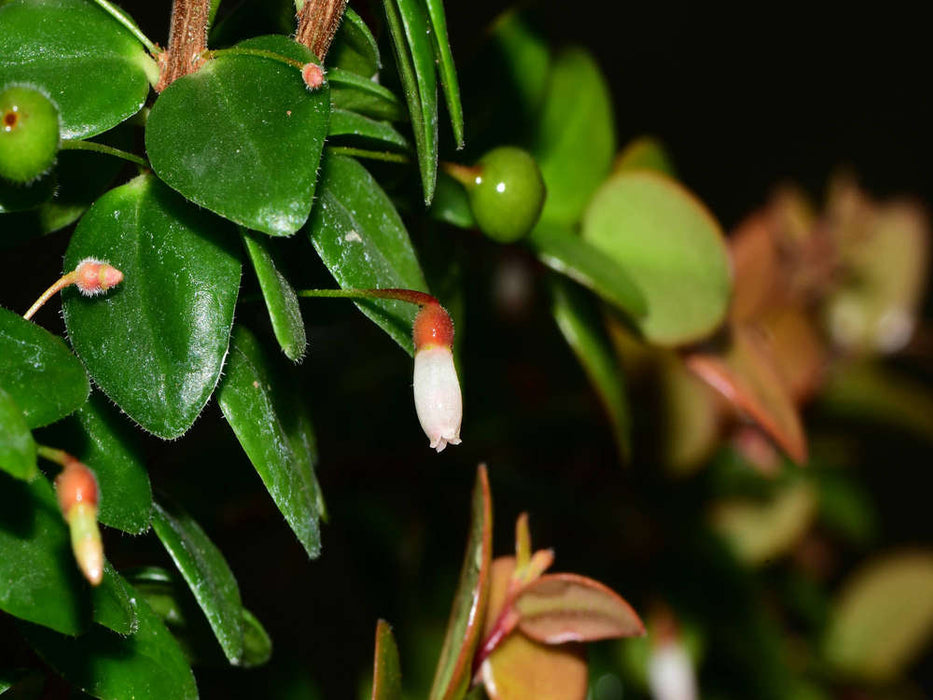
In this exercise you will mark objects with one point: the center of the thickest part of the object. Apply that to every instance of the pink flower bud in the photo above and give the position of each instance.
(313, 75)
(437, 390)
(96, 276)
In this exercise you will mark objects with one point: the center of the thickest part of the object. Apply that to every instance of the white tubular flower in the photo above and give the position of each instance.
(670, 673)
(437, 390)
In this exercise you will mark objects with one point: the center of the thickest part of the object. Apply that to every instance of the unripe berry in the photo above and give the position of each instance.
(29, 135)
(507, 195)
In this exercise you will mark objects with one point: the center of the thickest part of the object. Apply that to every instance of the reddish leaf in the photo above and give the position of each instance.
(560, 608)
(387, 675)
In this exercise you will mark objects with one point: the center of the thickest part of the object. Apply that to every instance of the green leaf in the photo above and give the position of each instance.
(451, 203)
(387, 674)
(39, 372)
(645, 153)
(148, 664)
(108, 444)
(414, 57)
(582, 328)
(257, 645)
(115, 603)
(354, 93)
(17, 448)
(15, 197)
(207, 574)
(272, 425)
(355, 47)
(671, 247)
(575, 140)
(454, 668)
(370, 131)
(558, 608)
(93, 68)
(883, 617)
(41, 582)
(363, 242)
(252, 152)
(448, 72)
(564, 252)
(156, 343)
(280, 298)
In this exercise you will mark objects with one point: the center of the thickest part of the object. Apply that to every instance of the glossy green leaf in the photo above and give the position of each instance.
(575, 140)
(645, 153)
(451, 203)
(447, 69)
(414, 57)
(558, 608)
(257, 645)
(148, 664)
(272, 424)
(387, 673)
(115, 603)
(207, 574)
(93, 68)
(17, 448)
(354, 93)
(670, 246)
(15, 197)
(883, 617)
(354, 48)
(104, 440)
(454, 668)
(279, 295)
(252, 153)
(580, 323)
(365, 130)
(39, 372)
(41, 582)
(156, 343)
(363, 242)
(564, 252)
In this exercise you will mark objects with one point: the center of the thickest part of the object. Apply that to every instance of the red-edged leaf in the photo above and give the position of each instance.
(560, 608)
(387, 674)
(466, 618)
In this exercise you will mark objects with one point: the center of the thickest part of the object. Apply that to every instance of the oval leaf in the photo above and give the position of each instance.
(115, 603)
(670, 246)
(274, 430)
(90, 65)
(452, 676)
(564, 252)
(207, 574)
(558, 608)
(251, 154)
(644, 153)
(155, 344)
(39, 372)
(387, 674)
(883, 617)
(575, 137)
(149, 664)
(279, 295)
(41, 582)
(17, 448)
(363, 242)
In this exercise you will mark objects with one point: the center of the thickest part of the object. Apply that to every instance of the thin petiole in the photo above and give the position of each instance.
(385, 156)
(63, 281)
(409, 295)
(102, 148)
(271, 55)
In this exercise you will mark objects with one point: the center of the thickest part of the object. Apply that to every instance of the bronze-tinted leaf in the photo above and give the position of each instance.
(387, 675)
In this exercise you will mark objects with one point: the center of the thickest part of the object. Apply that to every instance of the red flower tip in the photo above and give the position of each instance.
(313, 75)
(433, 327)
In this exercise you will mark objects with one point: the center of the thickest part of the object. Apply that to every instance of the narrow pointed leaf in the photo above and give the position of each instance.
(452, 676)
(257, 645)
(279, 295)
(582, 328)
(41, 582)
(207, 574)
(273, 427)
(363, 242)
(115, 603)
(363, 130)
(354, 93)
(670, 246)
(148, 664)
(38, 371)
(156, 343)
(564, 252)
(387, 674)
(355, 47)
(17, 448)
(93, 68)
(448, 71)
(251, 154)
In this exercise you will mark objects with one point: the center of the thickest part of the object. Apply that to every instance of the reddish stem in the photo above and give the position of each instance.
(318, 21)
(505, 623)
(187, 41)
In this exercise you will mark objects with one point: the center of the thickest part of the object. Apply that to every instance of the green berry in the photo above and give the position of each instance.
(28, 133)
(507, 194)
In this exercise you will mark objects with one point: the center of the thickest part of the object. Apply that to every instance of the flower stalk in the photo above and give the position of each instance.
(91, 277)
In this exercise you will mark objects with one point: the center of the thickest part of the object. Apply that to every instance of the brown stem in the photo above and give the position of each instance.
(187, 41)
(317, 23)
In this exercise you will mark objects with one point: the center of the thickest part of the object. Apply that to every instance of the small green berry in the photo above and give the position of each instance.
(28, 133)
(507, 195)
